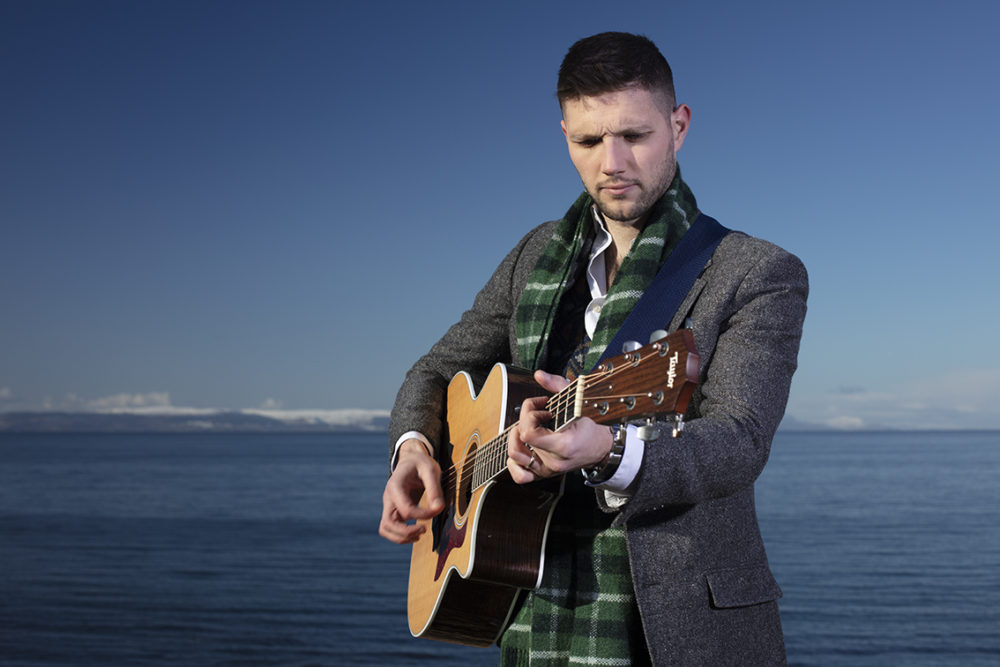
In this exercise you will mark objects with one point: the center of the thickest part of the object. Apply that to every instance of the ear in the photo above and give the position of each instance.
(680, 122)
(562, 124)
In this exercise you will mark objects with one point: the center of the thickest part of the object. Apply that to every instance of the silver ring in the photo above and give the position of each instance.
(531, 463)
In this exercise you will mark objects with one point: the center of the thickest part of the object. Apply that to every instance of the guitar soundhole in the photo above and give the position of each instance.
(465, 480)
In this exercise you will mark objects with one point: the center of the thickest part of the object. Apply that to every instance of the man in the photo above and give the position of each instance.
(654, 553)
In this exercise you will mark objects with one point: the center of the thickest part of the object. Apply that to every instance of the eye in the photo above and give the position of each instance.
(588, 143)
(634, 137)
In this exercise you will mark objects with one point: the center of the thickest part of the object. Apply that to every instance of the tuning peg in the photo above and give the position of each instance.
(659, 334)
(630, 346)
(649, 431)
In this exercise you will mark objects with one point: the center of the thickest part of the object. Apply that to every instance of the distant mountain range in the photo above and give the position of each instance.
(181, 421)
(192, 420)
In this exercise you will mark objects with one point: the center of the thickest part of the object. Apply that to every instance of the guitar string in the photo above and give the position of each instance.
(494, 447)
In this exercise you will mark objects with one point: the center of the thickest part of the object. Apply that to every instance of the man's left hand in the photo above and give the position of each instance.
(535, 451)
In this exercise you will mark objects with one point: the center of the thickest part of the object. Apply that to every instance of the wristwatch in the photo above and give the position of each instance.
(607, 468)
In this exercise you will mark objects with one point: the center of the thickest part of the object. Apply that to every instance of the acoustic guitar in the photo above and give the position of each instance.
(488, 543)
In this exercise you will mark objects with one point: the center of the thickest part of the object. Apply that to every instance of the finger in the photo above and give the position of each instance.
(393, 528)
(400, 498)
(409, 535)
(514, 443)
(532, 405)
(433, 493)
(550, 382)
(537, 465)
(408, 510)
(518, 449)
(519, 473)
(535, 429)
(533, 415)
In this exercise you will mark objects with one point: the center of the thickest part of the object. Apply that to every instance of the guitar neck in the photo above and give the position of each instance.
(490, 461)
(645, 383)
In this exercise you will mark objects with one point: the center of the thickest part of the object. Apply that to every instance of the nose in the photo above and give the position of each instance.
(615, 156)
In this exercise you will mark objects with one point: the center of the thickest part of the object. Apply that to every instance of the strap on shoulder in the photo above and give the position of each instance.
(657, 305)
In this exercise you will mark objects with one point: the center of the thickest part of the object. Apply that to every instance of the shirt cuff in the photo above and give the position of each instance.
(628, 468)
(410, 435)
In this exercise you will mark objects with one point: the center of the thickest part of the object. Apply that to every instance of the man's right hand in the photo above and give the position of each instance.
(416, 473)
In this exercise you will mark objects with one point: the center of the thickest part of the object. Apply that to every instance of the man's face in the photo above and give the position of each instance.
(623, 145)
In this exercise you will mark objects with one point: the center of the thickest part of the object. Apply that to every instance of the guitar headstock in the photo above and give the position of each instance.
(654, 380)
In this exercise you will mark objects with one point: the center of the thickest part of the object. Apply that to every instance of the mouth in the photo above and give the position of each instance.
(617, 189)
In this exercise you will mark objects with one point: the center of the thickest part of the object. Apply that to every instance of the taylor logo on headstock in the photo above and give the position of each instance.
(672, 371)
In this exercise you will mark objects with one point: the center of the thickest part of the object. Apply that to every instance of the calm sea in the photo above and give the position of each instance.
(262, 550)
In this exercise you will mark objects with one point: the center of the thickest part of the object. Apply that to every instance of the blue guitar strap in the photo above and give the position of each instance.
(657, 305)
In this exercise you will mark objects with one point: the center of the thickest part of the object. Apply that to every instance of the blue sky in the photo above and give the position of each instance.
(261, 204)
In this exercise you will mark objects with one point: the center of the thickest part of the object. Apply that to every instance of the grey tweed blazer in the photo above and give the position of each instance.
(705, 591)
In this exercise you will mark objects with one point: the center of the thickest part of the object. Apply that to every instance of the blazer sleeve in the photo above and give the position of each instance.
(746, 312)
(485, 335)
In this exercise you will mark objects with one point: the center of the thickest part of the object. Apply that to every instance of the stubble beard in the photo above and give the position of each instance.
(633, 213)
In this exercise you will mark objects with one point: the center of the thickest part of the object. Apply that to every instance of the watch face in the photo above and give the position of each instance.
(604, 471)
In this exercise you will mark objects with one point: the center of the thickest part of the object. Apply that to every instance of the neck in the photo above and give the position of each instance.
(622, 236)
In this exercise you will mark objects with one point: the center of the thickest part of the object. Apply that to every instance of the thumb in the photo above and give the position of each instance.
(551, 382)
(433, 492)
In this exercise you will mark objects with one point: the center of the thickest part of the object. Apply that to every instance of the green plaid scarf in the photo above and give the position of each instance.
(669, 218)
(584, 611)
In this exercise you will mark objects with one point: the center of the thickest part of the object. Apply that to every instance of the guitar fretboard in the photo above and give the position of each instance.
(490, 460)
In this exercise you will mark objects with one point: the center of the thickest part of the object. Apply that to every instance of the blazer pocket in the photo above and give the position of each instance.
(742, 587)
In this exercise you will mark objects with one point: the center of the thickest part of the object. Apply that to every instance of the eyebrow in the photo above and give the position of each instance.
(632, 129)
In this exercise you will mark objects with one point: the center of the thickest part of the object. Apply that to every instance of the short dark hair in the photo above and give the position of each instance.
(612, 61)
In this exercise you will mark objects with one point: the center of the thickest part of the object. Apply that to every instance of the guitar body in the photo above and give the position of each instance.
(488, 543)
(469, 566)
